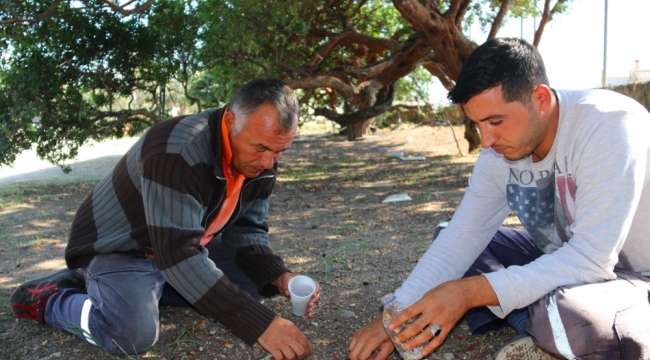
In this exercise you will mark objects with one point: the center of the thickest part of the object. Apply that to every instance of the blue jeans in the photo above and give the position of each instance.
(120, 310)
(507, 247)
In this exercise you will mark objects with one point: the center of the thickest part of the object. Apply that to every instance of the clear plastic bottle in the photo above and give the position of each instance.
(392, 307)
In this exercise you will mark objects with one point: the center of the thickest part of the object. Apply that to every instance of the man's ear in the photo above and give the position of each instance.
(229, 118)
(543, 96)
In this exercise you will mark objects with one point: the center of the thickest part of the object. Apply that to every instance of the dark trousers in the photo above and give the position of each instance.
(119, 311)
(607, 320)
(508, 247)
(171, 297)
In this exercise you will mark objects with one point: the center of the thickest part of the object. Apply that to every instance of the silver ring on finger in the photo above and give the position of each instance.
(435, 330)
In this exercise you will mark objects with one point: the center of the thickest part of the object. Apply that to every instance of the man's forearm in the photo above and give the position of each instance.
(478, 291)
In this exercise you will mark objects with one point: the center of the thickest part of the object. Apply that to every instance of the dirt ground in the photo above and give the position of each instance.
(327, 221)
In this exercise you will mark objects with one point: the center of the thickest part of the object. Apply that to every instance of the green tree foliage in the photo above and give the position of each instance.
(63, 76)
(91, 69)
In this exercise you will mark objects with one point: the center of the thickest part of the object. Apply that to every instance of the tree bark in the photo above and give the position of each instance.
(498, 20)
(472, 135)
(374, 92)
(359, 122)
(450, 46)
(360, 129)
(547, 15)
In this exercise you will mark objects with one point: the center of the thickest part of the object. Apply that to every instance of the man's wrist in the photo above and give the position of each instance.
(278, 280)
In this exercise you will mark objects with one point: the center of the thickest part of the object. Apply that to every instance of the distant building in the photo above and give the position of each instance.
(636, 75)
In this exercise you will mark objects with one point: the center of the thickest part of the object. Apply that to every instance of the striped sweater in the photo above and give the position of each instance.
(160, 197)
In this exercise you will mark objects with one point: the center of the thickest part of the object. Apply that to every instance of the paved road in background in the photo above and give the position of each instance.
(94, 162)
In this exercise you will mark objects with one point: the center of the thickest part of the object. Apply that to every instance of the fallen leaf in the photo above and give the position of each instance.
(200, 324)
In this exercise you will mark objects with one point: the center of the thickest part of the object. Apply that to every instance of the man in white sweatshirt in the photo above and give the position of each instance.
(573, 166)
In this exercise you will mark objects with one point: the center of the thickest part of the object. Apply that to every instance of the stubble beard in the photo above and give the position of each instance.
(532, 139)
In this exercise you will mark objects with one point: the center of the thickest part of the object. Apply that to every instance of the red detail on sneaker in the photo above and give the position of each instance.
(38, 291)
(33, 309)
(29, 299)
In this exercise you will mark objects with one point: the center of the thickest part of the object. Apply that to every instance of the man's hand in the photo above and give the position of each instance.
(282, 282)
(443, 305)
(284, 341)
(368, 339)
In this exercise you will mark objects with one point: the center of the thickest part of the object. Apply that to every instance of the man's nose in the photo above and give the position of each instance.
(488, 138)
(268, 159)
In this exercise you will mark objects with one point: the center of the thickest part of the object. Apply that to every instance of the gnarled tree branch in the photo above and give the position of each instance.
(349, 37)
(498, 19)
(121, 9)
(384, 102)
(547, 15)
(36, 19)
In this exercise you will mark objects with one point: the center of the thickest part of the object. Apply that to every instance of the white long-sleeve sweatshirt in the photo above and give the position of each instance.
(587, 206)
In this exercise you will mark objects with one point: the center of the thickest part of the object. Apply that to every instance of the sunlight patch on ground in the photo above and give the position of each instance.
(50, 223)
(298, 260)
(347, 293)
(15, 208)
(32, 271)
(7, 282)
(53, 264)
(428, 207)
(26, 232)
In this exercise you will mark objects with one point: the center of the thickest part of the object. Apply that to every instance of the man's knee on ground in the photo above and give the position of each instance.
(131, 339)
(592, 319)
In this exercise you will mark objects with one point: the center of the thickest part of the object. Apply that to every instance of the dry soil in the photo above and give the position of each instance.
(327, 221)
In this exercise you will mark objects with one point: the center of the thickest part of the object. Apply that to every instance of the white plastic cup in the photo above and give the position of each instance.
(302, 288)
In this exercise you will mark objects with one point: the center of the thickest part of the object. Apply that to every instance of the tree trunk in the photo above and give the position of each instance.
(359, 129)
(472, 135)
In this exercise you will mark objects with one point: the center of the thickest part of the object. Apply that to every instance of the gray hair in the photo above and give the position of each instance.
(259, 92)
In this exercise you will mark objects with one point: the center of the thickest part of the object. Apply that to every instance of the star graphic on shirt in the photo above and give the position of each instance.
(533, 206)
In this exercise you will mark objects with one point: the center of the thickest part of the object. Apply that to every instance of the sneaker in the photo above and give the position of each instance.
(523, 348)
(28, 301)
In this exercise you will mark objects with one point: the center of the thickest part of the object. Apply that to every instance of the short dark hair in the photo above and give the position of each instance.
(259, 92)
(510, 62)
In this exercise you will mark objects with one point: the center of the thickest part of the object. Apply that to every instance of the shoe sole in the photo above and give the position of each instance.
(524, 349)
